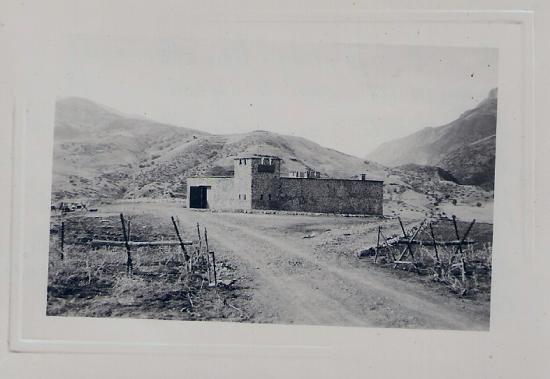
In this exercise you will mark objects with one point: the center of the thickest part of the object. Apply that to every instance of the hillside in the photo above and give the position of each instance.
(213, 155)
(100, 153)
(473, 163)
(464, 147)
(97, 149)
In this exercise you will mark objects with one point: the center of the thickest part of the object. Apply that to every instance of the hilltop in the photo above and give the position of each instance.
(100, 153)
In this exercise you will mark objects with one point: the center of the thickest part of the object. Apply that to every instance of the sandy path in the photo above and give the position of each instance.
(292, 283)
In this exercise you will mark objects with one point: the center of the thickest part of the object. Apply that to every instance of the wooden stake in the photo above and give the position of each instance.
(390, 251)
(207, 255)
(456, 232)
(435, 243)
(408, 247)
(377, 246)
(128, 252)
(62, 240)
(200, 239)
(402, 227)
(459, 249)
(182, 245)
(214, 268)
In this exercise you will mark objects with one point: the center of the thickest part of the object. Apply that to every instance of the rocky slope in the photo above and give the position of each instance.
(100, 153)
(464, 147)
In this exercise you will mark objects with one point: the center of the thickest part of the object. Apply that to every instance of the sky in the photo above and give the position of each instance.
(348, 97)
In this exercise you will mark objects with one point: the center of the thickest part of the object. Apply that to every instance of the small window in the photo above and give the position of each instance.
(240, 161)
(244, 162)
(269, 196)
(239, 196)
(244, 196)
(261, 197)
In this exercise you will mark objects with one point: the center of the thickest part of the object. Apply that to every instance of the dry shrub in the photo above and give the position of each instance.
(127, 288)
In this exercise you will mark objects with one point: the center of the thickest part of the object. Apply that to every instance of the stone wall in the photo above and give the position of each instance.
(331, 196)
(257, 184)
(265, 184)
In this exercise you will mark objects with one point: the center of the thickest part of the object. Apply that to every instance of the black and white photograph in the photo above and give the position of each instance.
(284, 183)
(274, 189)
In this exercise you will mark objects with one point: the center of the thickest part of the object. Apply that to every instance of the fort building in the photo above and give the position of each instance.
(257, 184)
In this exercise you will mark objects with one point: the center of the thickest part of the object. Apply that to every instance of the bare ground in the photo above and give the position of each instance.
(286, 278)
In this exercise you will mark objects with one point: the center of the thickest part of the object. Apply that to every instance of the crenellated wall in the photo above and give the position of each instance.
(258, 184)
(331, 196)
(265, 184)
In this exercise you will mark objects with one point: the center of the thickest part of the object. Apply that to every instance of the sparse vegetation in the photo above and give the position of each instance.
(93, 282)
(477, 259)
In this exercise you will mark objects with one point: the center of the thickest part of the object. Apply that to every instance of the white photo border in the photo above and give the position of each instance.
(31, 331)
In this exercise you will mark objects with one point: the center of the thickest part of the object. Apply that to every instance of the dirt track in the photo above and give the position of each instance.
(310, 281)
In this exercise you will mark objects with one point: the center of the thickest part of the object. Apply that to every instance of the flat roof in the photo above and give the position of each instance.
(257, 156)
(349, 180)
(211, 177)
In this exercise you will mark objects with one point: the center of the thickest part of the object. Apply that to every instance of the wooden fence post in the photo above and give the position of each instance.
(408, 247)
(388, 248)
(214, 268)
(402, 227)
(377, 246)
(184, 250)
(208, 256)
(460, 242)
(129, 260)
(62, 256)
(435, 244)
(200, 239)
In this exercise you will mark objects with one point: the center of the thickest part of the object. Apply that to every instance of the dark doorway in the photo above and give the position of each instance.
(198, 197)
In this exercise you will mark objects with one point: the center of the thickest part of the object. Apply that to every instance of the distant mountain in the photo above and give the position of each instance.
(464, 147)
(101, 153)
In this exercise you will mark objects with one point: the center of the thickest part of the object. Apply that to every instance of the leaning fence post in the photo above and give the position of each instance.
(377, 246)
(402, 227)
(62, 256)
(129, 261)
(181, 241)
(389, 251)
(208, 255)
(408, 247)
(460, 242)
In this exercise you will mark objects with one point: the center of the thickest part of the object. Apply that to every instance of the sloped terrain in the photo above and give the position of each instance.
(100, 153)
(473, 163)
(464, 147)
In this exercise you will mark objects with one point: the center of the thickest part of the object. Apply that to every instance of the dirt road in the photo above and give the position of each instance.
(313, 281)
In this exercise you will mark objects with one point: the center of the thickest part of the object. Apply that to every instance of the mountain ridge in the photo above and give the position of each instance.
(450, 146)
(99, 153)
